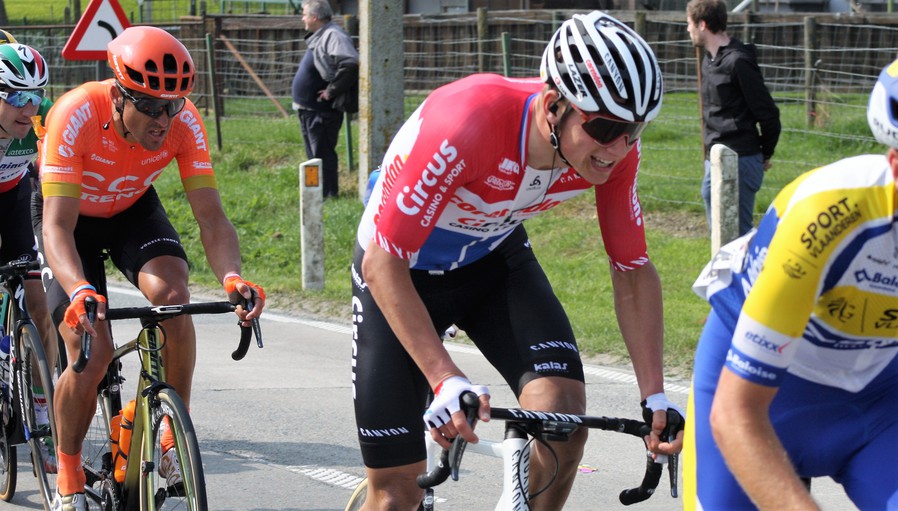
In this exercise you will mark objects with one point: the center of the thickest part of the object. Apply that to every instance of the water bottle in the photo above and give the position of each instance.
(126, 427)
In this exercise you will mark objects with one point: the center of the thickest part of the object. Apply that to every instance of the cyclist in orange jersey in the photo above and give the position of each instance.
(106, 144)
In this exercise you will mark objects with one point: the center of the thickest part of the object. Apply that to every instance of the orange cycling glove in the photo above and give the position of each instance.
(76, 308)
(232, 279)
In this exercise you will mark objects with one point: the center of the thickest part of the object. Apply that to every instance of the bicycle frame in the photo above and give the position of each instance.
(27, 358)
(136, 490)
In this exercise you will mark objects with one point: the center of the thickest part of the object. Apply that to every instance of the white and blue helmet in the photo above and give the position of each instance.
(882, 111)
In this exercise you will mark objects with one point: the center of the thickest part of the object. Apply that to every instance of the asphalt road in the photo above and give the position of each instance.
(277, 431)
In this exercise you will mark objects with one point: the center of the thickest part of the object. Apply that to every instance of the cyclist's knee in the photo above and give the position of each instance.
(554, 394)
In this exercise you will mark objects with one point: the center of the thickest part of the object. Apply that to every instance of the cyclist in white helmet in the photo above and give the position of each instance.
(23, 108)
(442, 243)
(796, 374)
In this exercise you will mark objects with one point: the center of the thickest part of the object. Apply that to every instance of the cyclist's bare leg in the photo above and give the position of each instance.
(36, 301)
(394, 489)
(75, 396)
(163, 280)
(557, 395)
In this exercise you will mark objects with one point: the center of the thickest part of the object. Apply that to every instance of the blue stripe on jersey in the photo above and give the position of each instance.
(752, 370)
(844, 259)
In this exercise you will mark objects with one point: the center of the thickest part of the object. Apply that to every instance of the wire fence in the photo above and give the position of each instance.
(819, 70)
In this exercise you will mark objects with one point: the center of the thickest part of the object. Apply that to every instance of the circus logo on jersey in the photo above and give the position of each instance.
(510, 167)
(410, 200)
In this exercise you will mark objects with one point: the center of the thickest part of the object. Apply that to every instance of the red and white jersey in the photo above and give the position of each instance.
(455, 181)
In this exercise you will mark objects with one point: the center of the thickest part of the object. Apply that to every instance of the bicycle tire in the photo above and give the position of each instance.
(33, 360)
(358, 496)
(8, 467)
(156, 495)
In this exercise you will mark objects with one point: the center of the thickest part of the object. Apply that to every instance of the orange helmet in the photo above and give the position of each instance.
(151, 61)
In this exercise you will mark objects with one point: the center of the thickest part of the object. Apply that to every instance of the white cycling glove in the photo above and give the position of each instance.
(447, 400)
(659, 401)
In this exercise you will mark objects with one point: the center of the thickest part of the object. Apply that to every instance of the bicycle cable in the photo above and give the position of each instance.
(529, 498)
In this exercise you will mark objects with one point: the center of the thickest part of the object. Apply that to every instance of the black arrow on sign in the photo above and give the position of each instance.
(108, 27)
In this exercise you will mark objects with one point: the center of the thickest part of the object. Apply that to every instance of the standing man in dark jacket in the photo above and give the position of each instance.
(328, 74)
(737, 108)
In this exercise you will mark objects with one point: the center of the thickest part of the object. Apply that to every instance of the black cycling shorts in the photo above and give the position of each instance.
(16, 236)
(132, 237)
(503, 302)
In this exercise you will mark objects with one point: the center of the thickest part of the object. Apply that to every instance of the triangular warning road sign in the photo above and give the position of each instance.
(102, 22)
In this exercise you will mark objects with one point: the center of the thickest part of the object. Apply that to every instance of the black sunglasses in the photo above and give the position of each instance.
(154, 107)
(606, 131)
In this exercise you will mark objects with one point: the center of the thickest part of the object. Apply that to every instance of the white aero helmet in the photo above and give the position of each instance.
(882, 111)
(22, 67)
(601, 65)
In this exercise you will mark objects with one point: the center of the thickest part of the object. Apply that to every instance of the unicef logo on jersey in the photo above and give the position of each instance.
(878, 280)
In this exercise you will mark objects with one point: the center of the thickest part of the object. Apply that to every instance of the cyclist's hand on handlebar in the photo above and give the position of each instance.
(444, 417)
(667, 422)
(239, 290)
(76, 314)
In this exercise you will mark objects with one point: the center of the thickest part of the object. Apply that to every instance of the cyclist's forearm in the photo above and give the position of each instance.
(751, 448)
(637, 300)
(222, 249)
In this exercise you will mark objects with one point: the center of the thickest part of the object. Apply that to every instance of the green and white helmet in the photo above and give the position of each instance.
(22, 67)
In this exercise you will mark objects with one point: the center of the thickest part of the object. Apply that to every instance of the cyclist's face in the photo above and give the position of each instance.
(16, 120)
(592, 160)
(149, 131)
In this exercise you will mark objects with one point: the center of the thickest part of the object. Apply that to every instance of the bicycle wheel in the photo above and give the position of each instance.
(42, 438)
(358, 496)
(189, 490)
(7, 467)
(96, 455)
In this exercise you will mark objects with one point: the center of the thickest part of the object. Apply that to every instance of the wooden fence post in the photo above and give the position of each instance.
(483, 31)
(810, 69)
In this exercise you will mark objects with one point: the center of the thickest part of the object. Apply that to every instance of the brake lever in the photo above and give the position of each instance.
(674, 425)
(257, 329)
(471, 404)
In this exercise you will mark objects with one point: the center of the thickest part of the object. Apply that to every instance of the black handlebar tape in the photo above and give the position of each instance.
(90, 306)
(647, 488)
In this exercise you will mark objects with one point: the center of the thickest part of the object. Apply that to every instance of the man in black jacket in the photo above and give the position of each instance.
(325, 86)
(737, 108)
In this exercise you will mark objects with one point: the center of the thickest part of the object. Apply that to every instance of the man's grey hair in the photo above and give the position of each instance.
(321, 9)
